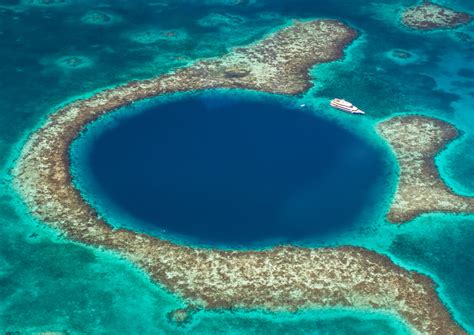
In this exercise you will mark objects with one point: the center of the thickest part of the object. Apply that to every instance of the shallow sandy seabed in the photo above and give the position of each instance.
(281, 278)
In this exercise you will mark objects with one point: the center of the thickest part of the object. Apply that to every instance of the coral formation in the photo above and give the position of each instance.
(73, 62)
(97, 17)
(155, 35)
(403, 57)
(416, 141)
(428, 16)
(46, 2)
(218, 19)
(182, 316)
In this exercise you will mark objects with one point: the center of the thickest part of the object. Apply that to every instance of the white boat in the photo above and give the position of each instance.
(345, 106)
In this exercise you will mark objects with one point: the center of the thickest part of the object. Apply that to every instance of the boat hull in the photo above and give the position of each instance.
(348, 109)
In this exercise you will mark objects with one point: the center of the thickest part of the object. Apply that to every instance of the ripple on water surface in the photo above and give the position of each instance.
(221, 169)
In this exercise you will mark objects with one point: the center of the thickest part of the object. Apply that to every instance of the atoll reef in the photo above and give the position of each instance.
(281, 278)
(416, 141)
(428, 16)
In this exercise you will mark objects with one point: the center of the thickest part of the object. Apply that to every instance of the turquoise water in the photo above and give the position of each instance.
(48, 283)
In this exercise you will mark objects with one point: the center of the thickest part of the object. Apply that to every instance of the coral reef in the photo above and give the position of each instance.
(97, 17)
(182, 316)
(403, 57)
(402, 54)
(154, 35)
(218, 19)
(73, 62)
(416, 140)
(428, 16)
(46, 2)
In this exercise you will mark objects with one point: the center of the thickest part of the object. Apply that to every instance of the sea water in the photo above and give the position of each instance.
(227, 169)
(48, 283)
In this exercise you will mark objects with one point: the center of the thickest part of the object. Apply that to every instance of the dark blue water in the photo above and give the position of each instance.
(230, 171)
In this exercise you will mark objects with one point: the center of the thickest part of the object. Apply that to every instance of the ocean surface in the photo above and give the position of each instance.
(227, 170)
(52, 54)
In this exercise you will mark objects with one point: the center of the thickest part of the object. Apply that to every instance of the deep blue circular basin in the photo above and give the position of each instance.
(226, 170)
